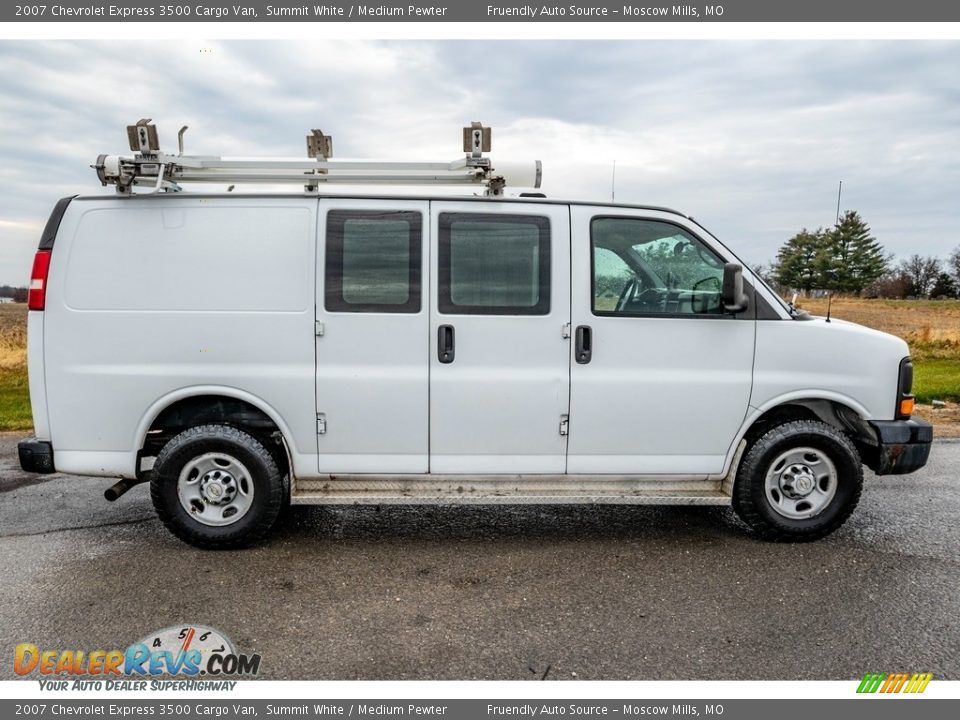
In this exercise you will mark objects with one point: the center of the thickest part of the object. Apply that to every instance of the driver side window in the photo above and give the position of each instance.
(650, 267)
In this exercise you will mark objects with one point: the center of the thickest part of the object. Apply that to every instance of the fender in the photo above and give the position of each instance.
(785, 399)
(197, 390)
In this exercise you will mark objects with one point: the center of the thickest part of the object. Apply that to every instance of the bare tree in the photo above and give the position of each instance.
(953, 264)
(922, 273)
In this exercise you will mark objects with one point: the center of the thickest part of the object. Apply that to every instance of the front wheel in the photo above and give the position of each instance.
(217, 487)
(799, 481)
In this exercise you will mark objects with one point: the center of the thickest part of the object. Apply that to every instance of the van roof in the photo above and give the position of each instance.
(388, 196)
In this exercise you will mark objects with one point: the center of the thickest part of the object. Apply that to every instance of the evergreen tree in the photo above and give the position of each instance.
(851, 258)
(796, 264)
(945, 286)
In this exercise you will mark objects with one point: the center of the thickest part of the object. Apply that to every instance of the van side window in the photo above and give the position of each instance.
(373, 261)
(648, 267)
(494, 264)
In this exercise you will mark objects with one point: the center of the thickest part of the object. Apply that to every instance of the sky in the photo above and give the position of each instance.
(749, 137)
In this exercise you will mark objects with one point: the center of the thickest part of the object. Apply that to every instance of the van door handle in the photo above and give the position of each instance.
(445, 344)
(584, 345)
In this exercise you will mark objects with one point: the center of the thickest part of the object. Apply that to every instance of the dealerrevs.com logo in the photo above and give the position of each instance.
(909, 683)
(181, 651)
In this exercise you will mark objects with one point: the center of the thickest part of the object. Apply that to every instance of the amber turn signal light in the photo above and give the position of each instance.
(906, 407)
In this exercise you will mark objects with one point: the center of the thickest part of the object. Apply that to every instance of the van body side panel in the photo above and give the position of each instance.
(838, 360)
(153, 296)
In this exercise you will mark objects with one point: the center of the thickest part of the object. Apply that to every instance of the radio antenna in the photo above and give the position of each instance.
(839, 191)
(830, 293)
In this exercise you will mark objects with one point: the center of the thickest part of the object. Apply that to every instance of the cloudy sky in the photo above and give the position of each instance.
(751, 138)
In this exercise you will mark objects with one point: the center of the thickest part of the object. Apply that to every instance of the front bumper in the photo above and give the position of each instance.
(36, 456)
(902, 446)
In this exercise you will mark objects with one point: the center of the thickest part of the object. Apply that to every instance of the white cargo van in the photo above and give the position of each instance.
(239, 351)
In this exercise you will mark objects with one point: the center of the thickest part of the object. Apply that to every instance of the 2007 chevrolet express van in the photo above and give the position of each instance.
(241, 350)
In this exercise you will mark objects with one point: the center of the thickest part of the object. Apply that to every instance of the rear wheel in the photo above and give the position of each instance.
(217, 487)
(798, 481)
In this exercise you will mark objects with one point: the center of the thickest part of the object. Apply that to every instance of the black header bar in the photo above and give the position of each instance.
(859, 11)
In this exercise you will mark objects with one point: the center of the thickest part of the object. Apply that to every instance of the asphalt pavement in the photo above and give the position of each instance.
(500, 592)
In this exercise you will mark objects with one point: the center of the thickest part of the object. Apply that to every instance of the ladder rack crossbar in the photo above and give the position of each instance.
(241, 165)
(268, 178)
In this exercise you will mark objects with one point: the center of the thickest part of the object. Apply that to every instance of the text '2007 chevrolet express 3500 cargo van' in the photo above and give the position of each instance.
(240, 351)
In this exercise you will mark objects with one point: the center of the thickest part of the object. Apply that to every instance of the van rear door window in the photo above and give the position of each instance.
(373, 261)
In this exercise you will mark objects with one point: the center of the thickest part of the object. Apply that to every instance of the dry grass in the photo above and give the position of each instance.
(14, 395)
(919, 322)
(13, 337)
(930, 327)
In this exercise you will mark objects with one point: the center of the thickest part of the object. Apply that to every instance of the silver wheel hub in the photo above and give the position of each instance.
(218, 487)
(215, 489)
(797, 481)
(801, 483)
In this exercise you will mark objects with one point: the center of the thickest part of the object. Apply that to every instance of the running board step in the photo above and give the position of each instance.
(504, 490)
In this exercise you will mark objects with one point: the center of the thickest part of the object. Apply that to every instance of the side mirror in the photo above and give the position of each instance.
(732, 297)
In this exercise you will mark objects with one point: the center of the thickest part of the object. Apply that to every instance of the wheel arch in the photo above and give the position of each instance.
(840, 411)
(206, 404)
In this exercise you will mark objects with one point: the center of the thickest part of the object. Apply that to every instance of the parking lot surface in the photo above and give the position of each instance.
(500, 592)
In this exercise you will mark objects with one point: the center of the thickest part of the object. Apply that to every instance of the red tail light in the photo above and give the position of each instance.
(37, 297)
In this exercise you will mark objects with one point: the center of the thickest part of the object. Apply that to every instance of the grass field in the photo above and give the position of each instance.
(14, 398)
(931, 327)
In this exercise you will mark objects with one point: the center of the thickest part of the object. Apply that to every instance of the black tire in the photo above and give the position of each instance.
(279, 453)
(757, 504)
(264, 487)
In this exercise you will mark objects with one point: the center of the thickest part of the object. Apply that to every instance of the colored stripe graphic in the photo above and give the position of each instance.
(923, 679)
(888, 683)
(894, 682)
(871, 682)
